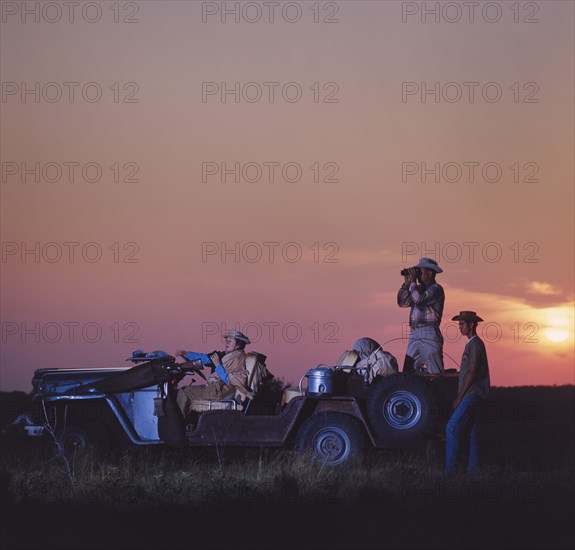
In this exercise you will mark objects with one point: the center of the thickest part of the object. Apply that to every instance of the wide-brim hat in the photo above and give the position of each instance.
(238, 336)
(468, 317)
(429, 264)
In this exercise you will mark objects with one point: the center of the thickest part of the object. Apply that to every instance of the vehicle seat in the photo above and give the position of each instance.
(256, 370)
(256, 367)
(289, 394)
(348, 358)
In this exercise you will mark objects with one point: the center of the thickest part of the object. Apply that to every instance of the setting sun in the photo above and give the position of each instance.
(556, 334)
(557, 329)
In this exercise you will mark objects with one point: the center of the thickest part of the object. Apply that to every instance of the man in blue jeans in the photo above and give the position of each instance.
(473, 387)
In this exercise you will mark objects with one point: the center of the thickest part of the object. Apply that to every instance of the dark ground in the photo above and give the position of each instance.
(527, 502)
(367, 524)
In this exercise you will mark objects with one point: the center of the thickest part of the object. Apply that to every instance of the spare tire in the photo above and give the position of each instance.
(401, 407)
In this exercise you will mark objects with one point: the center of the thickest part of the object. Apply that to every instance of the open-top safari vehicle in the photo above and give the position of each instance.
(345, 408)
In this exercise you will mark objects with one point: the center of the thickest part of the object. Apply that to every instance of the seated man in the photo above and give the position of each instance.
(228, 376)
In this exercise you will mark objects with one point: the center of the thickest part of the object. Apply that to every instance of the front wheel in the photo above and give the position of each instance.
(76, 440)
(333, 438)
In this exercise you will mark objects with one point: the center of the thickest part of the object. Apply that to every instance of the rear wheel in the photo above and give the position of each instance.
(333, 438)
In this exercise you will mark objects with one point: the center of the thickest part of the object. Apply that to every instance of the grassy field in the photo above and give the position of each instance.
(262, 498)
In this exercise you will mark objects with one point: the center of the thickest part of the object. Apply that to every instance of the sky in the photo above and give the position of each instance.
(175, 169)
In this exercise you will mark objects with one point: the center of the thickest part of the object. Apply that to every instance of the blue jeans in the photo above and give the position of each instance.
(463, 421)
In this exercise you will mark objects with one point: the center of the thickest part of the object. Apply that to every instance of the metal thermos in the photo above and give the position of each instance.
(320, 381)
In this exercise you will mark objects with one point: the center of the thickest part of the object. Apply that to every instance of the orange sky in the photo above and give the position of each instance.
(93, 268)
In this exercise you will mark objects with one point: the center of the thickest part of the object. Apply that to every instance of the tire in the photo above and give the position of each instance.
(76, 441)
(333, 438)
(401, 407)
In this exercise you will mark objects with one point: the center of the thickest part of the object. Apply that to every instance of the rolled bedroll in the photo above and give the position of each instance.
(141, 376)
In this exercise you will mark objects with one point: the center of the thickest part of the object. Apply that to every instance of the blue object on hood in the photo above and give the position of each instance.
(156, 354)
(140, 355)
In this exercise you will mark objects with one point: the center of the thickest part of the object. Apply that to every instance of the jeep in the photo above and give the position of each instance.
(340, 413)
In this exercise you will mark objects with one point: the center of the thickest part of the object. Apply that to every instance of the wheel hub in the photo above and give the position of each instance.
(332, 445)
(402, 410)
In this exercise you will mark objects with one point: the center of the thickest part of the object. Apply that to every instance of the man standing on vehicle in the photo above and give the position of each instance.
(229, 372)
(473, 387)
(426, 300)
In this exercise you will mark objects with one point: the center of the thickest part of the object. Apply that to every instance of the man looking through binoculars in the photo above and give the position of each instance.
(426, 299)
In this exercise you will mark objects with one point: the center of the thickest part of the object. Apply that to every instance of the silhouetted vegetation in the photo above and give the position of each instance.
(156, 497)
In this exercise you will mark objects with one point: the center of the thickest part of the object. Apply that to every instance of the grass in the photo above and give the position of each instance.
(148, 477)
(260, 499)
(156, 497)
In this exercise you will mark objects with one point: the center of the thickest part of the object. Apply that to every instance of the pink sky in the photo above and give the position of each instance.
(163, 280)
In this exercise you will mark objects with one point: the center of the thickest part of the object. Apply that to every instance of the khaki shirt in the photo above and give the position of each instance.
(235, 363)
